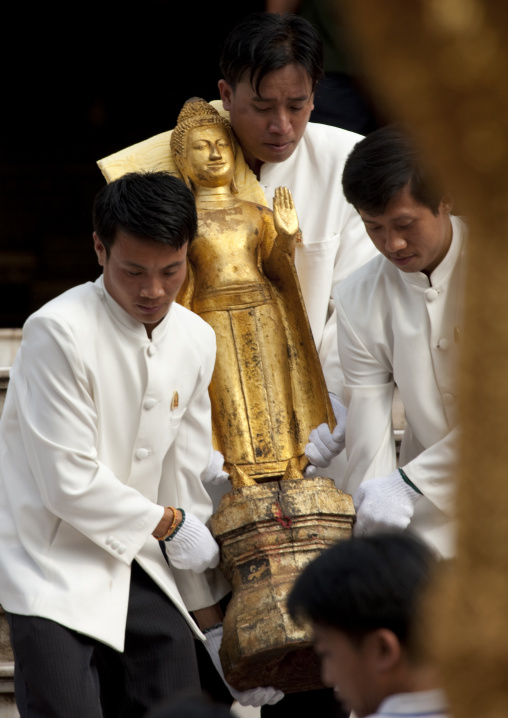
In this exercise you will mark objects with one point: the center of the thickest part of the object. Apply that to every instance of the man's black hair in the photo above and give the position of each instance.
(366, 583)
(264, 42)
(146, 205)
(381, 165)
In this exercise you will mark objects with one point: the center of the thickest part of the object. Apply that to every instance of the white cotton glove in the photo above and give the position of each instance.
(323, 444)
(383, 503)
(254, 696)
(215, 473)
(192, 546)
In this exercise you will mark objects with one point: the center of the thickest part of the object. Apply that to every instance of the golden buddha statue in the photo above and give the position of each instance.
(267, 391)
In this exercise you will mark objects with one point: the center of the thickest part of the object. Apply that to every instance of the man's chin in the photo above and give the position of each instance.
(273, 154)
(410, 266)
(151, 319)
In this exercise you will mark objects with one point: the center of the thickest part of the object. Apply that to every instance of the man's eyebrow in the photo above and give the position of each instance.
(300, 98)
(129, 263)
(371, 220)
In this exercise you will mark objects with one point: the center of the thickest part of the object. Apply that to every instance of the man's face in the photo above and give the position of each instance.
(269, 125)
(143, 276)
(409, 234)
(346, 667)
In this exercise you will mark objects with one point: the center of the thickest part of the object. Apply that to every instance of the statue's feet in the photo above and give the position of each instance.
(239, 478)
(294, 468)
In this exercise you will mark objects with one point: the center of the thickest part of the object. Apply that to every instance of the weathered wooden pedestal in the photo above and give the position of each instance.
(267, 534)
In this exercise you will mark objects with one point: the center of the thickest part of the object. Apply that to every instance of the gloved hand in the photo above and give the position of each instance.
(215, 473)
(383, 503)
(323, 444)
(254, 696)
(192, 546)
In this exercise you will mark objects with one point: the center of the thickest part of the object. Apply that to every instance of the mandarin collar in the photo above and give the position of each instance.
(417, 703)
(442, 272)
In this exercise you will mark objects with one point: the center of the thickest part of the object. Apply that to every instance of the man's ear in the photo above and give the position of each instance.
(100, 249)
(226, 94)
(384, 649)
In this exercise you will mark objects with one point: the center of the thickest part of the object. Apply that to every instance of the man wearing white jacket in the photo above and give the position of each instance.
(399, 321)
(104, 438)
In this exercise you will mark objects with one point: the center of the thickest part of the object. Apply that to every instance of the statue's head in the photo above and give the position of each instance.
(203, 146)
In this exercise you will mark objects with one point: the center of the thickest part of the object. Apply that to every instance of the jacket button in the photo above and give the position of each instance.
(109, 540)
(150, 403)
(152, 349)
(443, 343)
(115, 545)
(431, 295)
(142, 453)
(121, 549)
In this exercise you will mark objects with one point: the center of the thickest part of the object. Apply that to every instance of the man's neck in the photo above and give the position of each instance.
(447, 245)
(253, 163)
(416, 678)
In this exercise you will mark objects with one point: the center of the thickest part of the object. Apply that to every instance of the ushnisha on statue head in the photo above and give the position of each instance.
(215, 142)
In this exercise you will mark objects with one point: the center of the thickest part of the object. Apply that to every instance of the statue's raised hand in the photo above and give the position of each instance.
(285, 218)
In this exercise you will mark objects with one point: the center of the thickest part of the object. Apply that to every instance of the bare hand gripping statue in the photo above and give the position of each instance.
(267, 390)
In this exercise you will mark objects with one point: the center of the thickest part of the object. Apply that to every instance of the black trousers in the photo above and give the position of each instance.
(60, 673)
(321, 703)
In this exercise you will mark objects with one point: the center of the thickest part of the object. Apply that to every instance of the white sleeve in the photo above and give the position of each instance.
(355, 249)
(433, 471)
(368, 394)
(58, 423)
(370, 445)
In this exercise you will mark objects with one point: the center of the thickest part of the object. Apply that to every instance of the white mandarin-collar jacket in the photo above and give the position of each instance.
(102, 427)
(420, 704)
(335, 242)
(404, 328)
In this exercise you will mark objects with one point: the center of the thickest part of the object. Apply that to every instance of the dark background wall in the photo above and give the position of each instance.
(77, 85)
